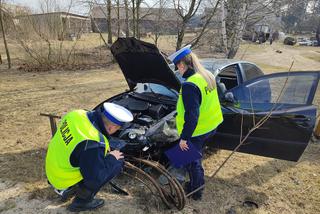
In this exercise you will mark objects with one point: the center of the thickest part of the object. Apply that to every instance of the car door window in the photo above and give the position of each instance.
(282, 89)
(251, 71)
(229, 76)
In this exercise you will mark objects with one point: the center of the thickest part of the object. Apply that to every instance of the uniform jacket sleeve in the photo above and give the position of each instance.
(191, 97)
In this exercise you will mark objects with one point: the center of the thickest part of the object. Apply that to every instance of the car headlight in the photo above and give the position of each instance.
(132, 135)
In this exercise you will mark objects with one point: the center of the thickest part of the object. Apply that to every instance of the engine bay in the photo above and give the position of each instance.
(153, 124)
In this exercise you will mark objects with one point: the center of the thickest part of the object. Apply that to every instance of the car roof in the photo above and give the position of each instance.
(216, 65)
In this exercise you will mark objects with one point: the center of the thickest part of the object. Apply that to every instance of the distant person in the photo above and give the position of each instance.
(198, 111)
(275, 35)
(78, 159)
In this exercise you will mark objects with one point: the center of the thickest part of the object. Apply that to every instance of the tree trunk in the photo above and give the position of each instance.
(109, 22)
(134, 18)
(207, 22)
(180, 36)
(189, 13)
(156, 38)
(238, 19)
(127, 18)
(138, 19)
(4, 36)
(223, 29)
(318, 33)
(118, 18)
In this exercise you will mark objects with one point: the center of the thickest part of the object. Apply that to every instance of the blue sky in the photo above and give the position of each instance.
(35, 5)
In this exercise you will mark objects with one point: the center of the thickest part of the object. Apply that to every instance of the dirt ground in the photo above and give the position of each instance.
(276, 186)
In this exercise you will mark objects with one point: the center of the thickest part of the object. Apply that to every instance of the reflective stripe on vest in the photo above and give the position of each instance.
(210, 114)
(74, 127)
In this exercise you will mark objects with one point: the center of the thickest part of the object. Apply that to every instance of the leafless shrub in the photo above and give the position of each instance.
(45, 40)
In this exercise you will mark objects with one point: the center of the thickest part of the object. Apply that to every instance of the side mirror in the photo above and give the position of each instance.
(229, 97)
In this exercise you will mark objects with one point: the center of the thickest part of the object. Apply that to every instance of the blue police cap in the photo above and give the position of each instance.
(175, 57)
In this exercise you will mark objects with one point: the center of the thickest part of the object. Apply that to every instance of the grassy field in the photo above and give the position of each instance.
(276, 186)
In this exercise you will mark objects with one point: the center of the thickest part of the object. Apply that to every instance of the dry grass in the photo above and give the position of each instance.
(276, 186)
(266, 56)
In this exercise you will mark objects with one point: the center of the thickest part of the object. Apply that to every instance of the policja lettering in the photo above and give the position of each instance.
(65, 132)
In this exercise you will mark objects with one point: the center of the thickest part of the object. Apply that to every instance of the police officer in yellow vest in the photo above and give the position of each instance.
(198, 111)
(79, 160)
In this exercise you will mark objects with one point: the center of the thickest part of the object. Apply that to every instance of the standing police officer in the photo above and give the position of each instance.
(198, 111)
(78, 158)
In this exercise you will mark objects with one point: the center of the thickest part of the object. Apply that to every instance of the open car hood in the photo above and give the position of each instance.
(142, 62)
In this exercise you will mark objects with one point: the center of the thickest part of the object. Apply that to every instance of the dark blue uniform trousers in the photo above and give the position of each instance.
(195, 169)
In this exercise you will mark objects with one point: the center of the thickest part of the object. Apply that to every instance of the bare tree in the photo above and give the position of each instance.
(186, 10)
(127, 18)
(207, 20)
(294, 14)
(234, 16)
(159, 24)
(133, 10)
(4, 34)
(137, 16)
(107, 15)
(235, 23)
(318, 33)
(50, 51)
(223, 27)
(136, 4)
(118, 17)
(108, 3)
(137, 19)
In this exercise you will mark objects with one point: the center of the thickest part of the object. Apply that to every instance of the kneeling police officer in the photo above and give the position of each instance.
(79, 159)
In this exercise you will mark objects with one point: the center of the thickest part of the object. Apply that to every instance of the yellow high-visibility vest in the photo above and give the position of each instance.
(74, 127)
(210, 114)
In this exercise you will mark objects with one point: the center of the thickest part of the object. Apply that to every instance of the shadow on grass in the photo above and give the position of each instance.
(26, 166)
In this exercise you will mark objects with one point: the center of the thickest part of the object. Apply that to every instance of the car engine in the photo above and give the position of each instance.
(153, 125)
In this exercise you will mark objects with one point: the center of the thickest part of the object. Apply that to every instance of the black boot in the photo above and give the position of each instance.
(68, 193)
(197, 196)
(79, 204)
(186, 187)
(85, 200)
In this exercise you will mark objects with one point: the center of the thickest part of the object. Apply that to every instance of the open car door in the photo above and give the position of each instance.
(284, 101)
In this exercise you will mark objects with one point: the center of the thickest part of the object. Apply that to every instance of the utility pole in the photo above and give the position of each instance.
(4, 35)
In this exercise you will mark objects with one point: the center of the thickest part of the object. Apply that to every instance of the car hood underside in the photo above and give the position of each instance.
(142, 62)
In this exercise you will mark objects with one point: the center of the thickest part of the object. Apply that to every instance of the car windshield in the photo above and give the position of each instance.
(156, 89)
(160, 89)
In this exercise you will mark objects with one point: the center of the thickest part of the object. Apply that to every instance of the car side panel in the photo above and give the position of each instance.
(285, 135)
